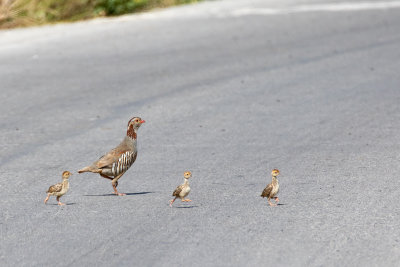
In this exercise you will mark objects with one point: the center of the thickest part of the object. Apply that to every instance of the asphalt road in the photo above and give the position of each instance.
(229, 90)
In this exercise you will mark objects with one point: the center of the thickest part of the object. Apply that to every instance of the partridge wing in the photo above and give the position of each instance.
(111, 157)
(267, 191)
(55, 188)
(177, 191)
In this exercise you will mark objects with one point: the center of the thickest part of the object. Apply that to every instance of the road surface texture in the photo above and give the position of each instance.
(229, 90)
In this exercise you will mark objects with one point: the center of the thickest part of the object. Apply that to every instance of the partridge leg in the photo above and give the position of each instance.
(171, 202)
(47, 198)
(115, 184)
(59, 203)
(270, 203)
(116, 191)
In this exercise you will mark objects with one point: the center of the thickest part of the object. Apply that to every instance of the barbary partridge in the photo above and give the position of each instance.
(59, 189)
(117, 161)
(183, 190)
(272, 189)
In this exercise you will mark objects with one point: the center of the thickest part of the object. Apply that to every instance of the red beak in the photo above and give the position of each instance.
(142, 121)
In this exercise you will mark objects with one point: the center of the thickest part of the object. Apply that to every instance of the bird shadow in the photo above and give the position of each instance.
(128, 194)
(139, 193)
(187, 207)
(66, 204)
(281, 204)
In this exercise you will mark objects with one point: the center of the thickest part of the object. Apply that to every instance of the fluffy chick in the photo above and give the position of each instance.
(183, 190)
(59, 189)
(272, 189)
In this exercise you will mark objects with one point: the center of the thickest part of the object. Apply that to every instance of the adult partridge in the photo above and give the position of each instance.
(118, 160)
(272, 189)
(59, 189)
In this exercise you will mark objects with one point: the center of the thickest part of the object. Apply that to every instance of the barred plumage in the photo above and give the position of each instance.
(123, 164)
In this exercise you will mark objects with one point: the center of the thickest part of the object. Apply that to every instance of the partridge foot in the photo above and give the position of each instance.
(116, 191)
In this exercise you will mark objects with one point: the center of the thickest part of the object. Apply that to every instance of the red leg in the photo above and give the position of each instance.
(59, 203)
(115, 184)
(47, 198)
(171, 202)
(270, 203)
(116, 191)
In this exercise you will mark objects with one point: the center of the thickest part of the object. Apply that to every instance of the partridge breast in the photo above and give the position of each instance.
(275, 190)
(185, 191)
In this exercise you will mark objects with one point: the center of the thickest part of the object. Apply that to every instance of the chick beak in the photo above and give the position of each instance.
(142, 121)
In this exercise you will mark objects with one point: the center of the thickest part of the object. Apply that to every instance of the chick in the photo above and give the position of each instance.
(183, 190)
(272, 189)
(59, 189)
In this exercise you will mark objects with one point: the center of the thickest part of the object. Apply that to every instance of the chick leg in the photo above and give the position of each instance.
(186, 200)
(270, 203)
(59, 203)
(171, 201)
(276, 199)
(47, 198)
(114, 183)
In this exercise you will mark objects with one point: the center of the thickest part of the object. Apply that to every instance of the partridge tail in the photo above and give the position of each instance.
(86, 169)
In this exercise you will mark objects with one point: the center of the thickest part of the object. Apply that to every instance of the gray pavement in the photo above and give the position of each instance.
(229, 90)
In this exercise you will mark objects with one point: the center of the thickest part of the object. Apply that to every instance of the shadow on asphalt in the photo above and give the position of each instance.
(128, 194)
(66, 204)
(187, 207)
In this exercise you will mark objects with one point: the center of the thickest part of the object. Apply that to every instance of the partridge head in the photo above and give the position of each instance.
(133, 126)
(66, 175)
(187, 175)
(275, 172)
